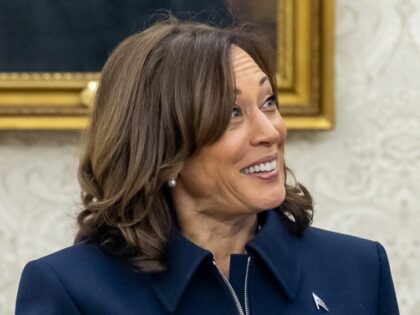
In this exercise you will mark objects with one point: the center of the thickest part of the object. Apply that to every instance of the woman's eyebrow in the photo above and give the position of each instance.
(260, 83)
(262, 80)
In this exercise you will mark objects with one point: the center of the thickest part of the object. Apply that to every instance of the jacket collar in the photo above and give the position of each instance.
(279, 249)
(183, 258)
(274, 244)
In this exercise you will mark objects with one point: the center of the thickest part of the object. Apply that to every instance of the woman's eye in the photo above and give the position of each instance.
(236, 112)
(270, 102)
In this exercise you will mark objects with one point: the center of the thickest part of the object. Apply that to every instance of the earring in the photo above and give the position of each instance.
(172, 182)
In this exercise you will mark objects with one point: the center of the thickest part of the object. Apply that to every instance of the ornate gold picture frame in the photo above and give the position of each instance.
(305, 71)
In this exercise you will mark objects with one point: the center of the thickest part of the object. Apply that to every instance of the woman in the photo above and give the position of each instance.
(187, 210)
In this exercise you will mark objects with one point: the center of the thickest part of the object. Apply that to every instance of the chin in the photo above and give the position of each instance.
(273, 200)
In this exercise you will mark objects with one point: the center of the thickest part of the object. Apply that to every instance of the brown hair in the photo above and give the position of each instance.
(164, 93)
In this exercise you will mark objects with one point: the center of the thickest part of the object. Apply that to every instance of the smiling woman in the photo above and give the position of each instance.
(187, 209)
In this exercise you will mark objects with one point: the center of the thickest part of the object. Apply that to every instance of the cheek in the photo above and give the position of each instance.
(202, 174)
(215, 168)
(195, 172)
(227, 152)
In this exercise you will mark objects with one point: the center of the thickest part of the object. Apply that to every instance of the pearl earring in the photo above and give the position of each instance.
(172, 182)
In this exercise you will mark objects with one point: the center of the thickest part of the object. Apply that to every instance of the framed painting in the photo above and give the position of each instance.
(50, 59)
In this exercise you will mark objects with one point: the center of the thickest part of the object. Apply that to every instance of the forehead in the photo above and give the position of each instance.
(243, 64)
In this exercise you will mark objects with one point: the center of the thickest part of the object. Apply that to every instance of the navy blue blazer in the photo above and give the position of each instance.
(280, 274)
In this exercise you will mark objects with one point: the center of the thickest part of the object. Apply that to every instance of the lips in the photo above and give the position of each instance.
(261, 168)
(266, 164)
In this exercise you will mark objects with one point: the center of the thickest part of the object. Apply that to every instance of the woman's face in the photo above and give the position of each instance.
(243, 172)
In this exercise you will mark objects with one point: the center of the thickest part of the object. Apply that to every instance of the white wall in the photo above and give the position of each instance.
(38, 201)
(364, 175)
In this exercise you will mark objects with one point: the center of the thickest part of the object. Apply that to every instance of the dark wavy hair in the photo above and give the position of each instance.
(164, 93)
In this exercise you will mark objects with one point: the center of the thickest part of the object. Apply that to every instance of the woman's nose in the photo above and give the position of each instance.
(266, 130)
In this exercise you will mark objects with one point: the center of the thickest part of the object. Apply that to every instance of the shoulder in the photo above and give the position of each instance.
(85, 262)
(81, 260)
(79, 277)
(84, 255)
(358, 265)
(342, 256)
(347, 249)
(337, 241)
(324, 244)
(49, 284)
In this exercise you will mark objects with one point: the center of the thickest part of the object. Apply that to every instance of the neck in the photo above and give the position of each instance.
(221, 236)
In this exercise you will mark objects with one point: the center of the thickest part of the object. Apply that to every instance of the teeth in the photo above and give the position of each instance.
(263, 167)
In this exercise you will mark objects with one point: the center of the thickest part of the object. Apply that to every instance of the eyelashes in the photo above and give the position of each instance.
(236, 112)
(269, 104)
